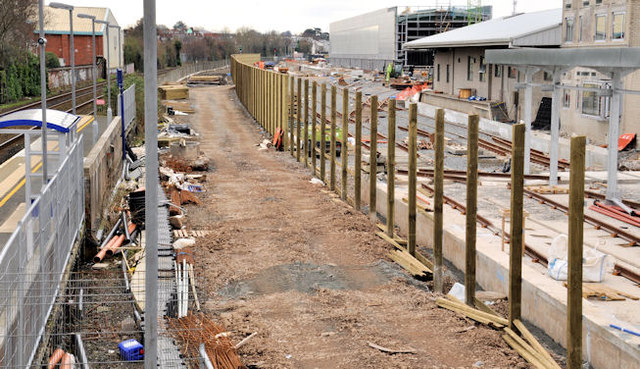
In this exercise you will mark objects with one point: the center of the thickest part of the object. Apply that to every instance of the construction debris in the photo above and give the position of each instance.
(392, 351)
(173, 92)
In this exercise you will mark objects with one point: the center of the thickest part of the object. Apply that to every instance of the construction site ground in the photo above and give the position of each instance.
(305, 271)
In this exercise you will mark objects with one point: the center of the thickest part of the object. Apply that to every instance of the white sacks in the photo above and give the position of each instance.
(595, 264)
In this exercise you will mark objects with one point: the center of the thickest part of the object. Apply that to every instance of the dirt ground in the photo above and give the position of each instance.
(306, 271)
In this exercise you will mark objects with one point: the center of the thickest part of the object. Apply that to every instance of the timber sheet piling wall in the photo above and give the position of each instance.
(542, 301)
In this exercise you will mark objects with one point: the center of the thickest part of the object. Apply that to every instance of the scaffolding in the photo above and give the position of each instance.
(414, 23)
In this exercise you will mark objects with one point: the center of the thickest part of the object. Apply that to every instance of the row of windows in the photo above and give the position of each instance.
(482, 72)
(585, 3)
(600, 31)
(588, 102)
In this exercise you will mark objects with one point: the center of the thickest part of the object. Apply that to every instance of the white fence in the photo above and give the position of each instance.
(129, 105)
(33, 261)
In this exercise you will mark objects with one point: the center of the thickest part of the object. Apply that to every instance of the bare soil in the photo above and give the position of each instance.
(306, 271)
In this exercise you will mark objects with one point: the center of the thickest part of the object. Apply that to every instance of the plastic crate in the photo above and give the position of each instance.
(131, 350)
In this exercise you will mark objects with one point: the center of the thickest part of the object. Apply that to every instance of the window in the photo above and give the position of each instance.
(593, 103)
(548, 76)
(497, 70)
(483, 70)
(567, 5)
(438, 73)
(617, 26)
(566, 98)
(580, 25)
(469, 68)
(512, 72)
(447, 73)
(568, 37)
(598, 2)
(601, 27)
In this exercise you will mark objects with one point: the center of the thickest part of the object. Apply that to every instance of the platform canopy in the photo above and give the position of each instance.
(603, 59)
(57, 120)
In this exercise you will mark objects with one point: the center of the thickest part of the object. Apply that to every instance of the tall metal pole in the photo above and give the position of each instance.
(43, 91)
(107, 56)
(151, 194)
(95, 81)
(73, 63)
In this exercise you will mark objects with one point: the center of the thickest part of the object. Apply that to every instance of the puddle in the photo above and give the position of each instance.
(308, 278)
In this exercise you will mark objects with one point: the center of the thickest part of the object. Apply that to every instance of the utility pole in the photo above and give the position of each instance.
(42, 41)
(72, 51)
(108, 61)
(94, 72)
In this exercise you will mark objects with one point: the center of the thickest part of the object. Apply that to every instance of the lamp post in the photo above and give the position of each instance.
(42, 41)
(72, 51)
(94, 72)
(108, 60)
(120, 75)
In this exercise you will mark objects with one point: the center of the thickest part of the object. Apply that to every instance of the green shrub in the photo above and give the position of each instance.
(51, 60)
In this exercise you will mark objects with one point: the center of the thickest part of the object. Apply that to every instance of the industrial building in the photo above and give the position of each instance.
(58, 39)
(460, 70)
(371, 40)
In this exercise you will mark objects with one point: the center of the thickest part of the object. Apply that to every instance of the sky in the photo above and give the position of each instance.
(281, 15)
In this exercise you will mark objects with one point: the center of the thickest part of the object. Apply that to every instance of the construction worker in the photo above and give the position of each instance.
(389, 71)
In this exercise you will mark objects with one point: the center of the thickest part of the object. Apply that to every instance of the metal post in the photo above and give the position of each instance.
(151, 194)
(438, 196)
(472, 209)
(109, 111)
(344, 150)
(43, 96)
(576, 235)
(413, 166)
(73, 63)
(515, 246)
(95, 82)
(358, 159)
(528, 107)
(373, 158)
(612, 139)
(555, 130)
(391, 168)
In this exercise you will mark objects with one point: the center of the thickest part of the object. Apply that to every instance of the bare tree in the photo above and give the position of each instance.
(17, 22)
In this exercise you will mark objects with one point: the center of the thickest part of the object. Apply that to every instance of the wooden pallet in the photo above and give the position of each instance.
(554, 190)
(181, 233)
(604, 293)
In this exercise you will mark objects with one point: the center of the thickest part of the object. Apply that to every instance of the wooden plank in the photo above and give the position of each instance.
(373, 160)
(391, 168)
(358, 153)
(472, 208)
(576, 239)
(413, 161)
(438, 196)
(332, 163)
(515, 253)
(535, 344)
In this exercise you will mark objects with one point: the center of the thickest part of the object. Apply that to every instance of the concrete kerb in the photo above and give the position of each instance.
(595, 155)
(543, 299)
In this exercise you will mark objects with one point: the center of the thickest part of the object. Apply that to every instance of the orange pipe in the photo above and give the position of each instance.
(103, 251)
(113, 248)
(55, 358)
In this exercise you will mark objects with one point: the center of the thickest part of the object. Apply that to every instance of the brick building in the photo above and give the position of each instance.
(58, 35)
(599, 24)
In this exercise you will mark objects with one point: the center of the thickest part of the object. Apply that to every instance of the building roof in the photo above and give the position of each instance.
(500, 31)
(57, 20)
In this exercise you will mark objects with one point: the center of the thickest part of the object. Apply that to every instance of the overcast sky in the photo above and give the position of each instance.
(282, 15)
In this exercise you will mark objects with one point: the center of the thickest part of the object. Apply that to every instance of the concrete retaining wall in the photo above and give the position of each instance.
(102, 170)
(595, 156)
(543, 299)
(61, 77)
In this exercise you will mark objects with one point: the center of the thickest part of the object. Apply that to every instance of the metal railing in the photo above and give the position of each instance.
(129, 105)
(185, 70)
(33, 261)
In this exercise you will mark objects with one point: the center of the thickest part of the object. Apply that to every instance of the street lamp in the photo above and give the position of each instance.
(72, 51)
(94, 73)
(42, 41)
(108, 59)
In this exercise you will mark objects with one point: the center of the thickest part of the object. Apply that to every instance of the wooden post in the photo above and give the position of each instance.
(332, 179)
(472, 210)
(391, 168)
(438, 215)
(299, 120)
(292, 96)
(344, 148)
(323, 130)
(576, 235)
(373, 159)
(306, 123)
(358, 159)
(314, 131)
(515, 247)
(413, 167)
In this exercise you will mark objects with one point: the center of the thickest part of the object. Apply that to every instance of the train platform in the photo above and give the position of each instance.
(12, 172)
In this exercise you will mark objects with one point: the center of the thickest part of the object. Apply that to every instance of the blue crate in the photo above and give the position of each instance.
(131, 350)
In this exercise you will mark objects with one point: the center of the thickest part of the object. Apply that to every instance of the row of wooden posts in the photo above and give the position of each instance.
(266, 95)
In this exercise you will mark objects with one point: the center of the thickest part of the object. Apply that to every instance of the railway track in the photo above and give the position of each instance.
(84, 98)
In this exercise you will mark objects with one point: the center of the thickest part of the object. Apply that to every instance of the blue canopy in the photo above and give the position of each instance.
(58, 120)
